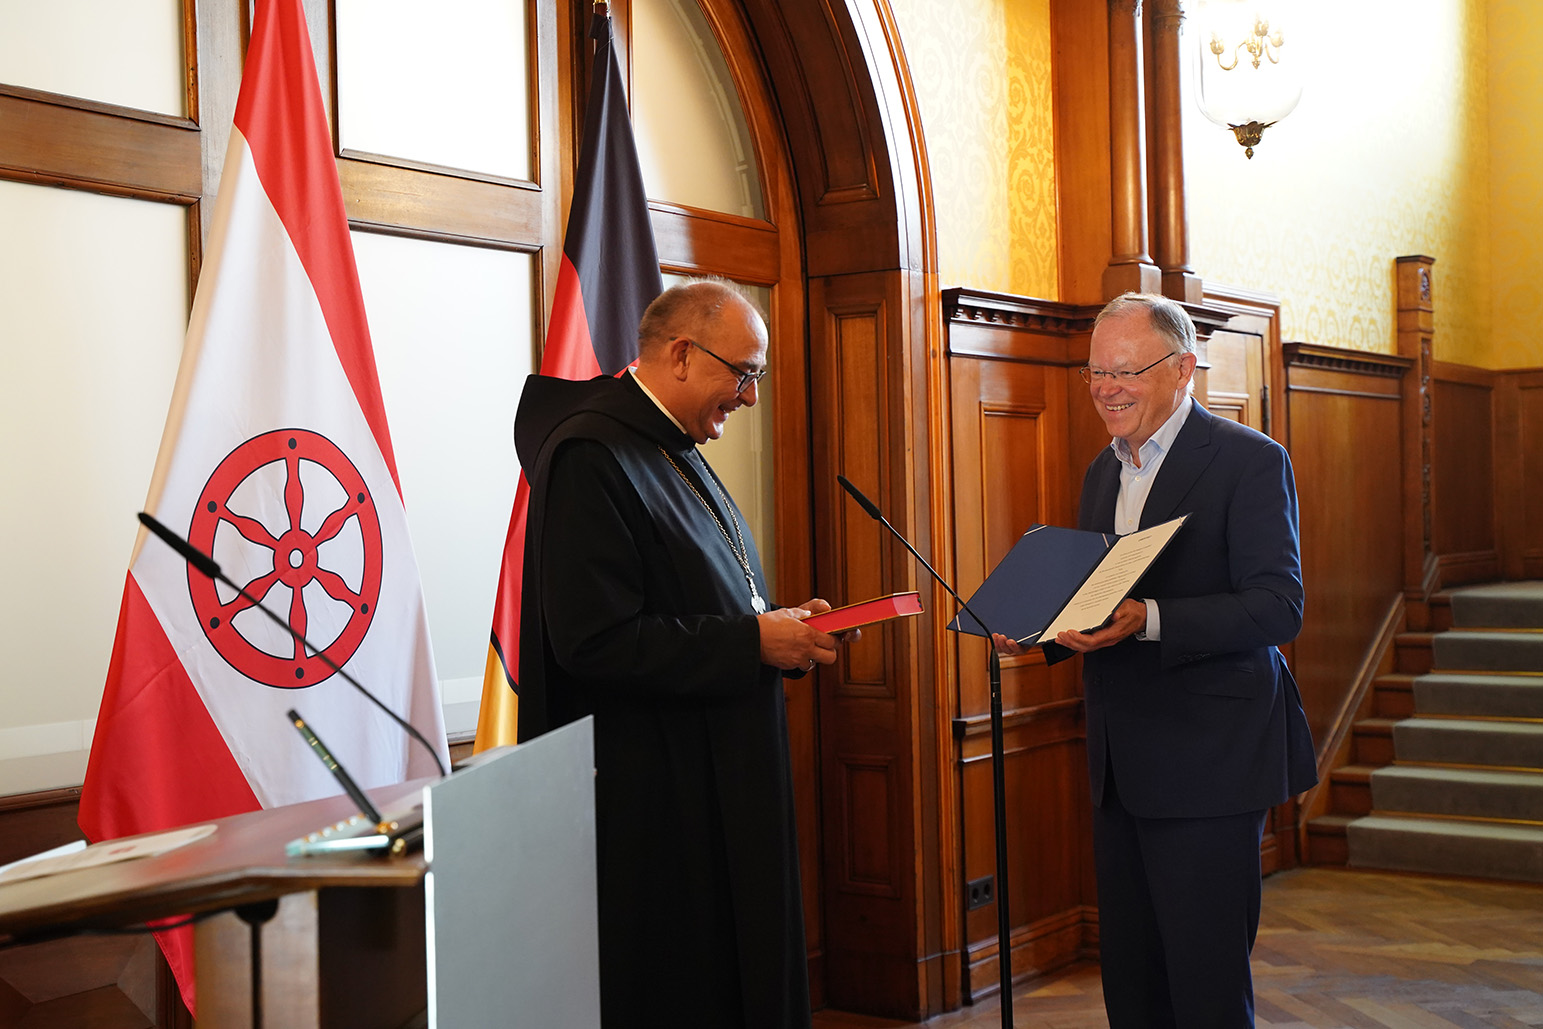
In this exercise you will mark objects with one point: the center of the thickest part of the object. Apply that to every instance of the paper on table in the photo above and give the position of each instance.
(1103, 590)
(64, 859)
(66, 848)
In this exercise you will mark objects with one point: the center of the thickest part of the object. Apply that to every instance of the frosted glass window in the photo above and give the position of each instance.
(444, 83)
(692, 139)
(126, 52)
(742, 457)
(452, 327)
(94, 296)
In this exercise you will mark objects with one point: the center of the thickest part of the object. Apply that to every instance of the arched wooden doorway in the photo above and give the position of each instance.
(846, 249)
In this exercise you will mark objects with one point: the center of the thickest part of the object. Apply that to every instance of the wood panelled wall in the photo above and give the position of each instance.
(1021, 435)
(1463, 525)
(1487, 473)
(1345, 438)
(1519, 472)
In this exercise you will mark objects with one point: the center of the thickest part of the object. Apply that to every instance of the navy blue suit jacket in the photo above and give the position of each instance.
(1207, 721)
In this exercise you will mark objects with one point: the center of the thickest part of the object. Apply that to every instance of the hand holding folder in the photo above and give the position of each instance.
(1056, 579)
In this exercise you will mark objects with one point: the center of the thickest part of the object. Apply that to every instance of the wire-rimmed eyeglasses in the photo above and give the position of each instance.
(746, 379)
(1094, 375)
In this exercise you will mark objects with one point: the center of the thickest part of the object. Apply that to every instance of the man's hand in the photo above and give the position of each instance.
(787, 643)
(1007, 646)
(1128, 619)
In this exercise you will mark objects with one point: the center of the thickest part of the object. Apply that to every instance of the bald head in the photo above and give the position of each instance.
(691, 310)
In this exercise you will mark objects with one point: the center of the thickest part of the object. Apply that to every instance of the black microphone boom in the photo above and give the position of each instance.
(208, 566)
(875, 514)
(191, 554)
(999, 783)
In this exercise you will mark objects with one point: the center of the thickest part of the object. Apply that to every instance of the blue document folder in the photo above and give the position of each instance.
(1040, 576)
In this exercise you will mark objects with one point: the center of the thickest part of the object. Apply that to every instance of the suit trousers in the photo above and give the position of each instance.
(1178, 910)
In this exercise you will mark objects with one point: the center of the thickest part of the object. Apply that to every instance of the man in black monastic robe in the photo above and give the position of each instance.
(644, 606)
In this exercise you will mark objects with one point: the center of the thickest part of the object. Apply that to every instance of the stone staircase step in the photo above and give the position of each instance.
(1471, 650)
(1501, 605)
(1486, 696)
(1462, 713)
(1469, 741)
(1481, 849)
(1469, 792)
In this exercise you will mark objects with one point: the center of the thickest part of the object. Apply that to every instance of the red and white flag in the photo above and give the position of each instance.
(276, 460)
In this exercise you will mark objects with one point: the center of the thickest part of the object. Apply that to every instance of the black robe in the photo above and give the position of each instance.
(636, 611)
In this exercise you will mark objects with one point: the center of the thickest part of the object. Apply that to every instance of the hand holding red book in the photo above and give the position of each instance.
(879, 609)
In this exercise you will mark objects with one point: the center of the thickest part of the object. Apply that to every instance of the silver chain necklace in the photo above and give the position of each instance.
(741, 552)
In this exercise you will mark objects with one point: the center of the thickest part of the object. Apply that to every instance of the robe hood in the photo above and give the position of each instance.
(549, 402)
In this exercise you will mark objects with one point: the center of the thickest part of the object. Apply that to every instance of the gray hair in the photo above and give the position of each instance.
(1166, 317)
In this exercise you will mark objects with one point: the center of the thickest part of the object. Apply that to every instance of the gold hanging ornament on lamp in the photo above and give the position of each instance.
(1248, 65)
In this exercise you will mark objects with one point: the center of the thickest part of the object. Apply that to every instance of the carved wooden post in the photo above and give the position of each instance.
(1130, 266)
(1171, 221)
(1416, 320)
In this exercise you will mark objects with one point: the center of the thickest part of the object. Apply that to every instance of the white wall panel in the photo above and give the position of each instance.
(444, 83)
(452, 327)
(94, 291)
(126, 52)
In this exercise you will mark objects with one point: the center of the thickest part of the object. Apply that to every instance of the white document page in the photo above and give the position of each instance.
(1103, 590)
(70, 857)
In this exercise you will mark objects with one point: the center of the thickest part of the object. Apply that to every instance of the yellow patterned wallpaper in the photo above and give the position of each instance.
(981, 69)
(1417, 134)
(1516, 181)
(1387, 154)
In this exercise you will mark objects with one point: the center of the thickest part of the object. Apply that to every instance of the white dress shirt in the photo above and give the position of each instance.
(1136, 484)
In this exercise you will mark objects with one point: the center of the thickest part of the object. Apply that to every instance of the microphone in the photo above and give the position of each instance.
(878, 516)
(338, 771)
(209, 567)
(999, 784)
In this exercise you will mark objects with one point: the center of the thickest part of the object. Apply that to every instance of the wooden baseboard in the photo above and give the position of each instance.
(1040, 947)
(1459, 569)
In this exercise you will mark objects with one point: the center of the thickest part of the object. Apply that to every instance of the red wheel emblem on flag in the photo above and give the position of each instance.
(342, 585)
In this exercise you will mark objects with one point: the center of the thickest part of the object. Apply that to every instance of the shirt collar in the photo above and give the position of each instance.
(1160, 441)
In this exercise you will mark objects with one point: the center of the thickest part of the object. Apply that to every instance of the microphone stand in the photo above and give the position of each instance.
(998, 776)
(207, 565)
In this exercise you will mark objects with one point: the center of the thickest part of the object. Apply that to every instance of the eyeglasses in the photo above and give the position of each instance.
(1092, 375)
(746, 379)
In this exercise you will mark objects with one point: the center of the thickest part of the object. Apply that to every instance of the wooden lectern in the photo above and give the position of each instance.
(492, 923)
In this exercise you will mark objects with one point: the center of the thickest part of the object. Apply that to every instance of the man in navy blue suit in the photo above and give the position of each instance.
(1194, 723)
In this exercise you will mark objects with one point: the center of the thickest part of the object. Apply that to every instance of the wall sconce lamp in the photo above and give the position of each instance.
(1248, 66)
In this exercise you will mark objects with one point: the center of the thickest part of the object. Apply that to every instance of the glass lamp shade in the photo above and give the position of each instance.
(1248, 62)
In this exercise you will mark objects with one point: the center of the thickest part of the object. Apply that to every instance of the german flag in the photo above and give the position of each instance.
(609, 275)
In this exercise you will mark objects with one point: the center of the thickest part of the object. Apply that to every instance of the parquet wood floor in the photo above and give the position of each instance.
(1341, 949)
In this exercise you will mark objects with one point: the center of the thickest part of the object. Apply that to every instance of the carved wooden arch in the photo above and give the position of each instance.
(826, 88)
(848, 250)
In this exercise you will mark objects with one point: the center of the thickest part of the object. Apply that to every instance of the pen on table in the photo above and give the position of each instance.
(344, 779)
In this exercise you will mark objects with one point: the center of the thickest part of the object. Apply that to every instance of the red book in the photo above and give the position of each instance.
(879, 609)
